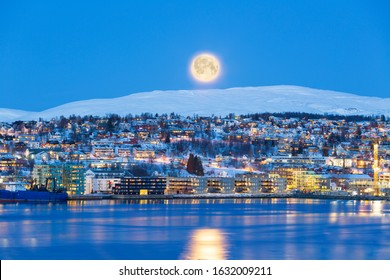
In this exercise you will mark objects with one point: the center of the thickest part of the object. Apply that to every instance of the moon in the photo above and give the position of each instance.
(205, 68)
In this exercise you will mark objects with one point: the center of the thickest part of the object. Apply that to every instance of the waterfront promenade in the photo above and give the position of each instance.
(228, 196)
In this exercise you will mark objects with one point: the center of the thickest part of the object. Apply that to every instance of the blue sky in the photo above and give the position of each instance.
(53, 52)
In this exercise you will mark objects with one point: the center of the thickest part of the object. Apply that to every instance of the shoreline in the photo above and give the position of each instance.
(227, 196)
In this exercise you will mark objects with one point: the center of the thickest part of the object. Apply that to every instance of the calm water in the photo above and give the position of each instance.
(196, 229)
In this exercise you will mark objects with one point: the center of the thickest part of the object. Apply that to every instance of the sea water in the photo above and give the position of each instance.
(239, 229)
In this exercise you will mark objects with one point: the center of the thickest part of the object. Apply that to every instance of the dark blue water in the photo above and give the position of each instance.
(197, 229)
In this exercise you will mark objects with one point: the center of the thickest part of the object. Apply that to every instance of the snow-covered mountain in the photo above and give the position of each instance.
(10, 115)
(218, 102)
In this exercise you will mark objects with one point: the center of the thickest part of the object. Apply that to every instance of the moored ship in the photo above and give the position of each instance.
(34, 194)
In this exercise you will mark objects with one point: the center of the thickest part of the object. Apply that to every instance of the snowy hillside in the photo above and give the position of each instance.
(219, 102)
(10, 115)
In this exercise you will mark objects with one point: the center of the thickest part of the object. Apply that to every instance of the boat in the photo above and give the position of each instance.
(34, 194)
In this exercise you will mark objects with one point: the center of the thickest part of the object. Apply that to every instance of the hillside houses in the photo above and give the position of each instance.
(311, 149)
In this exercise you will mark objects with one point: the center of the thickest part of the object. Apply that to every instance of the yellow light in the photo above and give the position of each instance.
(143, 192)
(207, 244)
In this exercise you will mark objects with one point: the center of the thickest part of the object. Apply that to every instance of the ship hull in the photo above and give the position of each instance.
(32, 196)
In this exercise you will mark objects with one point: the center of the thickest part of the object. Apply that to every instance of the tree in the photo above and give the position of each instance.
(198, 167)
(191, 164)
(139, 171)
(110, 125)
(194, 165)
(325, 151)
(112, 122)
(168, 138)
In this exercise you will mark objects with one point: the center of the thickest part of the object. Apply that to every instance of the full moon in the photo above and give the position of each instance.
(205, 68)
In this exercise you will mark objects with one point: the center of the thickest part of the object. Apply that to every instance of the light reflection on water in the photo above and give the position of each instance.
(206, 244)
(197, 229)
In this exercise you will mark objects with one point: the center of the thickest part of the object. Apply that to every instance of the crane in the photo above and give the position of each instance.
(53, 184)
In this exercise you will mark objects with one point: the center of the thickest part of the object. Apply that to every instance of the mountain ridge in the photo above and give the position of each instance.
(238, 100)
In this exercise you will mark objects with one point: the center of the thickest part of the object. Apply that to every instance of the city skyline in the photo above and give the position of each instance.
(51, 54)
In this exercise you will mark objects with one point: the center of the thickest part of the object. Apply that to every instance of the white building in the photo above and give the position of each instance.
(101, 181)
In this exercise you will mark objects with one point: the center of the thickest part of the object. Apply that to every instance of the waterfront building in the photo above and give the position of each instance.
(272, 183)
(384, 180)
(73, 178)
(184, 185)
(287, 173)
(246, 185)
(101, 180)
(141, 186)
(356, 183)
(219, 184)
(44, 172)
(310, 181)
(241, 183)
(65, 175)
